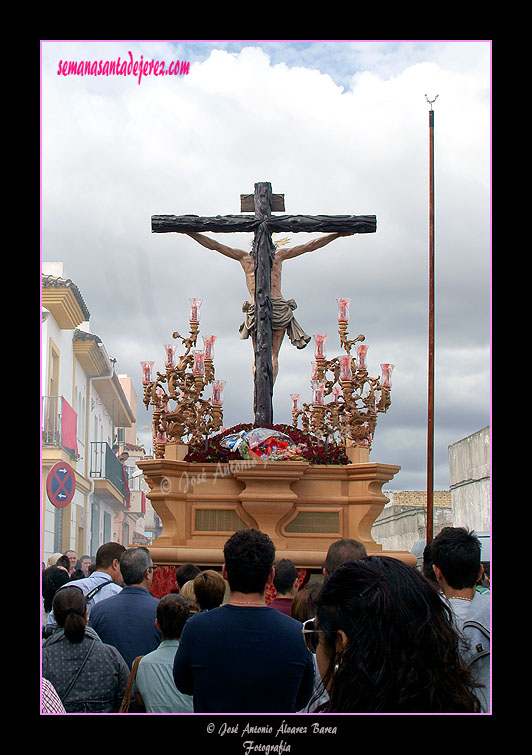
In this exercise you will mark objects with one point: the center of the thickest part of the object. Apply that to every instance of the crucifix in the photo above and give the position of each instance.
(258, 265)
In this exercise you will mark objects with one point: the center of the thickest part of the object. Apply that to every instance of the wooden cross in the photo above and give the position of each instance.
(263, 202)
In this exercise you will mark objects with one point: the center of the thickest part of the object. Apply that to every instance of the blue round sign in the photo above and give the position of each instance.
(61, 484)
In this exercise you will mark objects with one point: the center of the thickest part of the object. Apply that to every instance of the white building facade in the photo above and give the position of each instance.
(83, 405)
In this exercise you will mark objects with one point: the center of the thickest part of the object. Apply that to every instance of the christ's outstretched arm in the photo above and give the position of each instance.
(227, 251)
(310, 246)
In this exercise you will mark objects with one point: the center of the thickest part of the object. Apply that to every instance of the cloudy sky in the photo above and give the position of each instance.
(338, 127)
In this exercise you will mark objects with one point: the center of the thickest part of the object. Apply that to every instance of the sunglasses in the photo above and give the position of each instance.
(311, 635)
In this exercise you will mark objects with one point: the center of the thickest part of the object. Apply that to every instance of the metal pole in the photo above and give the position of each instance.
(430, 402)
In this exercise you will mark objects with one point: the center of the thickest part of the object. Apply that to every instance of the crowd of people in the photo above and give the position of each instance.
(371, 634)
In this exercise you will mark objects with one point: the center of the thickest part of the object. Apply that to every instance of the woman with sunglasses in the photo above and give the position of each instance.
(385, 643)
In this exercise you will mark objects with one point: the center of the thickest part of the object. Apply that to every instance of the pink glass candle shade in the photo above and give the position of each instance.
(217, 392)
(345, 367)
(146, 372)
(319, 351)
(386, 375)
(160, 437)
(336, 391)
(362, 350)
(319, 393)
(343, 310)
(199, 363)
(295, 399)
(169, 351)
(195, 305)
(314, 374)
(160, 396)
(208, 342)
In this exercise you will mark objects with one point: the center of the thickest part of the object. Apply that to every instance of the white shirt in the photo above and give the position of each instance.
(86, 585)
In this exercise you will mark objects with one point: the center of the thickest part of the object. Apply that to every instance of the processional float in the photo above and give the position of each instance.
(305, 487)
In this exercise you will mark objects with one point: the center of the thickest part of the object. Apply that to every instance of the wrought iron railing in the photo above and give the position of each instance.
(105, 465)
(59, 424)
(51, 420)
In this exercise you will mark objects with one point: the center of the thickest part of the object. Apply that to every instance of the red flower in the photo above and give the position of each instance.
(311, 448)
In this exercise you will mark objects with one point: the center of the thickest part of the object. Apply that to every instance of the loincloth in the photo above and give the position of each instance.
(282, 319)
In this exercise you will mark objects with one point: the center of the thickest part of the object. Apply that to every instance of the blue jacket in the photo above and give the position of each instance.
(127, 621)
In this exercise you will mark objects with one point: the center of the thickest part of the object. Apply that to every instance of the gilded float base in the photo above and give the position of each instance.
(303, 508)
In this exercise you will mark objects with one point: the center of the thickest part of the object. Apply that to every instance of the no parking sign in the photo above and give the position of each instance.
(61, 484)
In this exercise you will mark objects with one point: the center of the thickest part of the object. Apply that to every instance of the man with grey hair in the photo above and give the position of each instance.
(128, 622)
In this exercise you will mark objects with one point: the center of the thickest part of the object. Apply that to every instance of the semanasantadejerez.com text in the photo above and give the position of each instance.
(120, 67)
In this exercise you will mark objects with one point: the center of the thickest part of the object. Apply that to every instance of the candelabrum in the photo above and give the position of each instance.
(193, 417)
(351, 417)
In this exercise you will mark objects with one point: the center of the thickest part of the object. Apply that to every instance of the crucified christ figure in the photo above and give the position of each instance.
(283, 319)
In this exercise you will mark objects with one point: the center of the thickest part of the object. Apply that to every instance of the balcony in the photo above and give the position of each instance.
(110, 481)
(59, 425)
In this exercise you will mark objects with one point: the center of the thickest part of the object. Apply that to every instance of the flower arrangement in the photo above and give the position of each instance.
(309, 447)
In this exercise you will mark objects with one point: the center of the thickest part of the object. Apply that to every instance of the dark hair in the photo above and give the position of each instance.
(172, 613)
(426, 568)
(456, 551)
(69, 606)
(209, 589)
(106, 554)
(402, 653)
(63, 561)
(133, 565)
(249, 556)
(304, 603)
(285, 575)
(186, 572)
(52, 579)
(341, 551)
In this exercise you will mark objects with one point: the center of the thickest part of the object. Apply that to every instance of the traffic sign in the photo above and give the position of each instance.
(61, 484)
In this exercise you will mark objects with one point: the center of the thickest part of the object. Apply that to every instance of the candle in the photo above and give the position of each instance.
(170, 351)
(336, 392)
(319, 392)
(195, 305)
(319, 351)
(146, 372)
(361, 350)
(314, 366)
(345, 367)
(386, 375)
(217, 392)
(295, 399)
(343, 310)
(208, 342)
(199, 362)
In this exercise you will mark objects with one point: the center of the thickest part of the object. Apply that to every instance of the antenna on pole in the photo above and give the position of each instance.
(430, 401)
